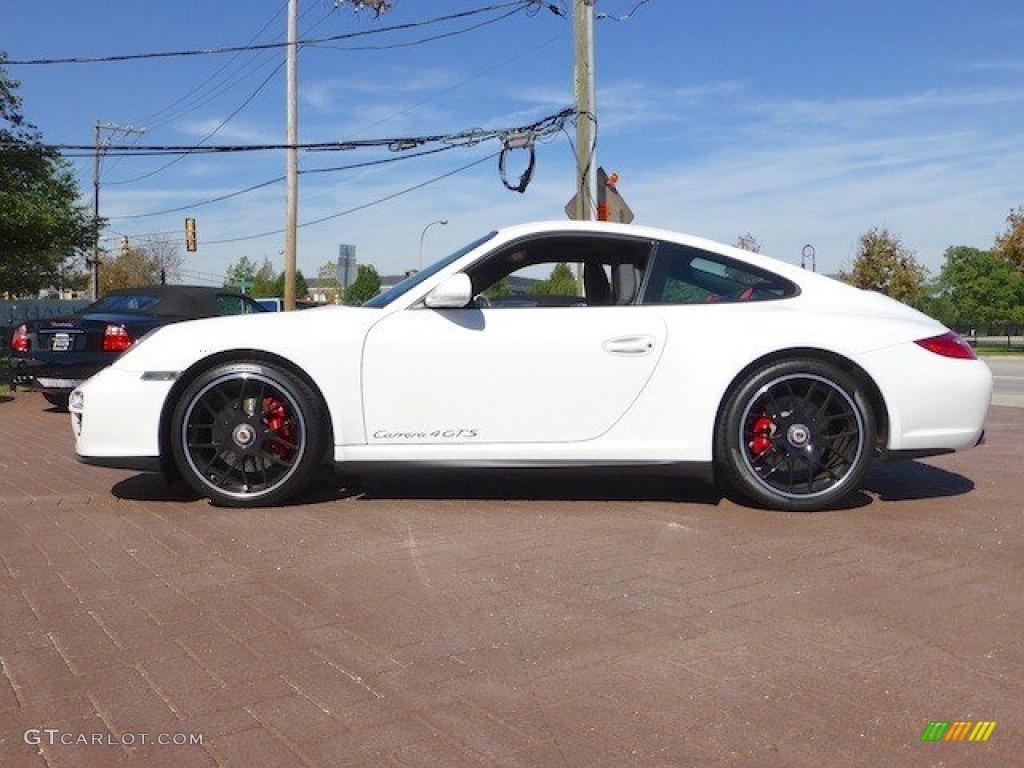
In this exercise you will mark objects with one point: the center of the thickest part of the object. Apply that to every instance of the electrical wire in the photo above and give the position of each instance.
(625, 17)
(581, 181)
(208, 136)
(543, 127)
(362, 207)
(264, 46)
(213, 95)
(423, 40)
(279, 179)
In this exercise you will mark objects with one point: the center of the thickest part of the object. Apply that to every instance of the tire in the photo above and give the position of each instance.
(58, 400)
(796, 435)
(248, 434)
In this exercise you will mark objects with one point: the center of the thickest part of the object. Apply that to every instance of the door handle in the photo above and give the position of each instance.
(629, 345)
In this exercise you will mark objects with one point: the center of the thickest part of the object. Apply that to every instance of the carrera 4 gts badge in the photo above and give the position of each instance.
(435, 434)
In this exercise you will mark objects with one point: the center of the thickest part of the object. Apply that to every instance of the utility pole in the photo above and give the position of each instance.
(98, 147)
(291, 204)
(583, 81)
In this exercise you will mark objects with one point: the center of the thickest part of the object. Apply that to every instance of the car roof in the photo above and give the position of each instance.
(172, 300)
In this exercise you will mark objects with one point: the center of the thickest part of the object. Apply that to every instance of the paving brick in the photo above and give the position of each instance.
(483, 620)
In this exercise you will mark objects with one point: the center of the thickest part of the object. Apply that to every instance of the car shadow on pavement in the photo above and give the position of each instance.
(885, 481)
(907, 480)
(5, 398)
(151, 486)
(541, 485)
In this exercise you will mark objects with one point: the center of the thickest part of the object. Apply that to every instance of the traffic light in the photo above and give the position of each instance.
(190, 234)
(124, 245)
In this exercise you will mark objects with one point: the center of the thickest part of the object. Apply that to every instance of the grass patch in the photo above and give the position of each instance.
(999, 351)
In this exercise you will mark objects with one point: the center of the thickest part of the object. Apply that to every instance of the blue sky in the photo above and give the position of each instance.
(797, 122)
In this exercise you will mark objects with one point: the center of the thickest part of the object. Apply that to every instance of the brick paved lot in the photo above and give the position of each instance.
(506, 620)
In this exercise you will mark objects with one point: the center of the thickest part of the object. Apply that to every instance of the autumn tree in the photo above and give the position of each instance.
(1010, 245)
(886, 265)
(44, 229)
(131, 268)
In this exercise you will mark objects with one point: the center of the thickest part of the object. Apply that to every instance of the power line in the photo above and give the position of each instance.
(265, 46)
(543, 127)
(209, 135)
(423, 40)
(279, 179)
(362, 207)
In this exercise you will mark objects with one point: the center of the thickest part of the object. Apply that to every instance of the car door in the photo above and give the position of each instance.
(506, 375)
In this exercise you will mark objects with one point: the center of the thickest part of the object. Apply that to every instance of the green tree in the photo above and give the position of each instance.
(886, 265)
(982, 288)
(499, 290)
(259, 282)
(560, 282)
(264, 281)
(241, 274)
(277, 287)
(43, 227)
(365, 286)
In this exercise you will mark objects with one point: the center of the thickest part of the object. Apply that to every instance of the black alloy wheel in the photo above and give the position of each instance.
(248, 434)
(797, 435)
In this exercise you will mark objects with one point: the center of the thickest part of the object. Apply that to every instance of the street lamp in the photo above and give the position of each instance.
(423, 234)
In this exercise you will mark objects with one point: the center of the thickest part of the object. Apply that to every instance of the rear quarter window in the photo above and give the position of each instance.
(686, 275)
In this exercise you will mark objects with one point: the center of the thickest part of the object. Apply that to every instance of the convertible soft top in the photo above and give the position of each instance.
(162, 300)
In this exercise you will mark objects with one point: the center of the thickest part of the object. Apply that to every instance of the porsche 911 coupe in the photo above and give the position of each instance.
(651, 349)
(57, 354)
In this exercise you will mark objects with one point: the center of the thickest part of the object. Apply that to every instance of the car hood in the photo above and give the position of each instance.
(296, 336)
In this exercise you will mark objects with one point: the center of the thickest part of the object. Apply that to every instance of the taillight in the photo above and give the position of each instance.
(20, 342)
(948, 345)
(116, 339)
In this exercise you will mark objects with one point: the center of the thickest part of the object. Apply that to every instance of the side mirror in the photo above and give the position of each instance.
(454, 293)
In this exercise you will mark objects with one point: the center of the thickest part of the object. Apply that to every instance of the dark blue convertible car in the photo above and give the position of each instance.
(57, 354)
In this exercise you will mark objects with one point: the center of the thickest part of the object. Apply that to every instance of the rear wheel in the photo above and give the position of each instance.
(248, 434)
(796, 435)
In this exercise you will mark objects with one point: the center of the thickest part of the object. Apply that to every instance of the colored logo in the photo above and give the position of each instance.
(958, 730)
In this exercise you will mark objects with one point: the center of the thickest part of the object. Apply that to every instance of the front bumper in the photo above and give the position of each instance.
(115, 416)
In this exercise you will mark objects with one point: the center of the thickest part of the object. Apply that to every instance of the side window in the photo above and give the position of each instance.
(562, 271)
(231, 305)
(684, 275)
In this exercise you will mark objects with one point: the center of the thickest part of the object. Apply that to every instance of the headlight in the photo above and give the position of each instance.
(76, 401)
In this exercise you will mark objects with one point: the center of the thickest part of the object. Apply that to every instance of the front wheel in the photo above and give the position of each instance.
(248, 434)
(796, 435)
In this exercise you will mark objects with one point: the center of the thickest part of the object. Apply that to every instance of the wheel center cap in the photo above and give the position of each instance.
(243, 435)
(798, 435)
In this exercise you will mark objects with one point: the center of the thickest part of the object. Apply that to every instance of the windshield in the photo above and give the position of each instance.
(385, 298)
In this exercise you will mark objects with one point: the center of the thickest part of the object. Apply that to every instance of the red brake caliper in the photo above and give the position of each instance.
(762, 441)
(276, 418)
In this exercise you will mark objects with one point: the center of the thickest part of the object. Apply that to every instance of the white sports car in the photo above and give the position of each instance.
(543, 345)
